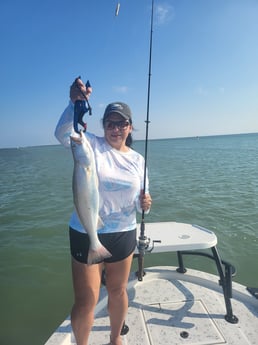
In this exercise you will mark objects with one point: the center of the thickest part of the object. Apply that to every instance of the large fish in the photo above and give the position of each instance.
(86, 195)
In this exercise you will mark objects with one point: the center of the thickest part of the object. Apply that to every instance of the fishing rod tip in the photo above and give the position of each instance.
(117, 9)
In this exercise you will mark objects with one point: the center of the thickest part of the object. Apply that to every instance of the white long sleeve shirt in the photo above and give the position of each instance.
(121, 178)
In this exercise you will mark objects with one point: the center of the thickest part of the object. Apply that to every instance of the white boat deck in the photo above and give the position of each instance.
(168, 307)
(173, 308)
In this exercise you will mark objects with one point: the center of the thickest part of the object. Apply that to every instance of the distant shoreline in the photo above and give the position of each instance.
(139, 140)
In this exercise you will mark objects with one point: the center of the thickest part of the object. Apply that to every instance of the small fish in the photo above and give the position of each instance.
(86, 195)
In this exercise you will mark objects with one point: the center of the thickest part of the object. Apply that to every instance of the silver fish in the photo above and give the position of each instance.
(86, 195)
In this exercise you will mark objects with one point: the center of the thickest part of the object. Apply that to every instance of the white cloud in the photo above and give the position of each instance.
(120, 89)
(201, 91)
(102, 105)
(164, 13)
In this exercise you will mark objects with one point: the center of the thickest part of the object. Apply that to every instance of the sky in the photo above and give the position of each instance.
(204, 76)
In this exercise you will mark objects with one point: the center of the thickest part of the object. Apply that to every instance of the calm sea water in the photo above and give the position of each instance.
(209, 181)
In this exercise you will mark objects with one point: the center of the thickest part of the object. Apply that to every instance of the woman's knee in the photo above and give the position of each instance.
(86, 299)
(117, 292)
(86, 283)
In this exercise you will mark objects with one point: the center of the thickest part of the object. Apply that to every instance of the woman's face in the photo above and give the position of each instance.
(116, 130)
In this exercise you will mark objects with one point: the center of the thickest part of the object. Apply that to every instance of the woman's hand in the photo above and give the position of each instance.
(78, 91)
(145, 201)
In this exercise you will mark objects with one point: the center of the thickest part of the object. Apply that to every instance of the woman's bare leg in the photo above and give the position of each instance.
(86, 283)
(117, 274)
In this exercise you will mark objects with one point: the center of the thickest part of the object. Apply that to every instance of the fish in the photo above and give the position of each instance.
(86, 195)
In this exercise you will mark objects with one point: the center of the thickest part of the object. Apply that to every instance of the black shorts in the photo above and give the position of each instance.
(119, 244)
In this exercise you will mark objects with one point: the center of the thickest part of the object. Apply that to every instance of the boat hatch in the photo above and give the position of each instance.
(185, 322)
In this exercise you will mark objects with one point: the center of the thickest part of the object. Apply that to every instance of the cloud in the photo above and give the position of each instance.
(164, 13)
(102, 105)
(120, 89)
(201, 91)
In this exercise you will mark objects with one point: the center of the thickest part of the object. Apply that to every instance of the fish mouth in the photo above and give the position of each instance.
(76, 139)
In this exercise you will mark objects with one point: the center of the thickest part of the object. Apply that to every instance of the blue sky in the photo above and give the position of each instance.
(204, 65)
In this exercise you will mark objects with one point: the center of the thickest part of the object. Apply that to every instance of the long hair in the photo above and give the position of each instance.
(129, 140)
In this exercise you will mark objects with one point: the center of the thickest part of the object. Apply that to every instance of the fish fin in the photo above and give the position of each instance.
(100, 223)
(97, 256)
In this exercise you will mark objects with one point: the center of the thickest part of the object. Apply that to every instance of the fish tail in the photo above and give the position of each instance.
(98, 255)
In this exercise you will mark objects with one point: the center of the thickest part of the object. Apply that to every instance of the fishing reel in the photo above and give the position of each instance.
(143, 246)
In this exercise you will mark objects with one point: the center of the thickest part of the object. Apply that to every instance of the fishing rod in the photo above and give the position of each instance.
(143, 241)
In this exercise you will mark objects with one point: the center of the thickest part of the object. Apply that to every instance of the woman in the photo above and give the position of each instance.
(121, 173)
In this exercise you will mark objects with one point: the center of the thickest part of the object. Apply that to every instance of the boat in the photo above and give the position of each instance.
(175, 304)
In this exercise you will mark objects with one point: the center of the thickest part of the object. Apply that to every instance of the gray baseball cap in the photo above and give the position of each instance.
(118, 108)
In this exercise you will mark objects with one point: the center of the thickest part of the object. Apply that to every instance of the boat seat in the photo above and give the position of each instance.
(185, 239)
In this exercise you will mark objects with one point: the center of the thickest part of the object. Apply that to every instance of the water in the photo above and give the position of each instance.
(209, 181)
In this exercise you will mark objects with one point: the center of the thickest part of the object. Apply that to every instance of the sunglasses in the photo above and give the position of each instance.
(122, 125)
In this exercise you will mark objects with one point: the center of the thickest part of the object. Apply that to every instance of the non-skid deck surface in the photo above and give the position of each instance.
(172, 308)
(166, 310)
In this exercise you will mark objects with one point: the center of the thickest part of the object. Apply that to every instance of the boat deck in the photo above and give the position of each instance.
(168, 307)
(171, 308)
